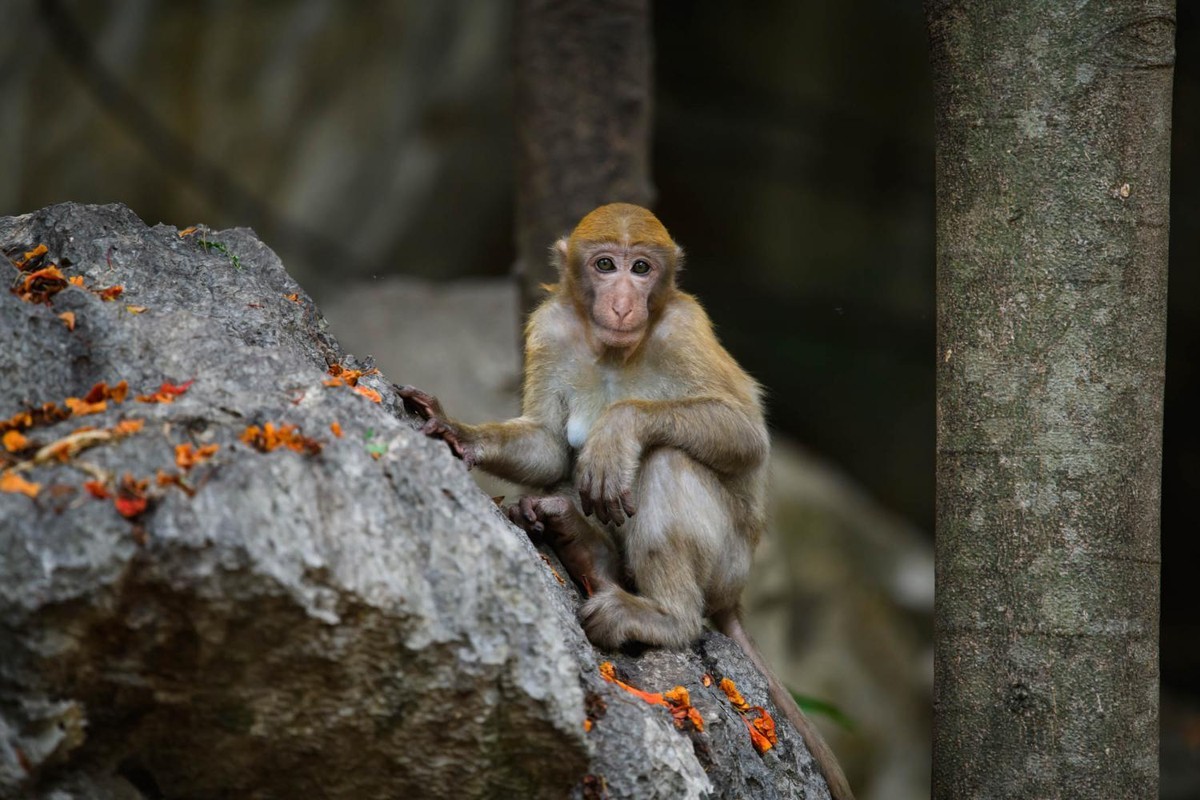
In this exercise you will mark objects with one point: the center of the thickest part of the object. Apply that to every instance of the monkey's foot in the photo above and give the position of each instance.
(601, 615)
(558, 522)
(535, 515)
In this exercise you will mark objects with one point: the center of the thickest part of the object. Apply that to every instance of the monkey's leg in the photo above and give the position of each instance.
(587, 552)
(680, 548)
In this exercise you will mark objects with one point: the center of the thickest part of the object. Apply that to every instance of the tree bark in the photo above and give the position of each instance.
(583, 107)
(1053, 138)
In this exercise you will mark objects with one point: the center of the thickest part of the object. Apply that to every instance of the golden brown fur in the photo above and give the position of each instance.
(647, 441)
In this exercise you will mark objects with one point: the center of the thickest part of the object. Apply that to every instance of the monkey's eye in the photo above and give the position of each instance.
(605, 264)
(641, 267)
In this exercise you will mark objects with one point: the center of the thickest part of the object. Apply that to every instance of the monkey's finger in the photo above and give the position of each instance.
(627, 503)
(456, 445)
(585, 495)
(527, 511)
(598, 504)
(614, 510)
(416, 401)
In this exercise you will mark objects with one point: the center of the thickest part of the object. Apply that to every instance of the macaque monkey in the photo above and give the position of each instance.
(648, 445)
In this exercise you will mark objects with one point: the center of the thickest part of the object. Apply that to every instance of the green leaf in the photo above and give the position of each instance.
(813, 705)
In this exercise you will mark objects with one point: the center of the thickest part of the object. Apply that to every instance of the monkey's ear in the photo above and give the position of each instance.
(558, 254)
(679, 258)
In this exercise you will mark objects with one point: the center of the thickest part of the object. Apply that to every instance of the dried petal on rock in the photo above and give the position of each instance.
(127, 427)
(80, 407)
(40, 285)
(131, 500)
(14, 441)
(735, 697)
(761, 727)
(12, 482)
(550, 565)
(765, 725)
(164, 478)
(369, 393)
(761, 743)
(166, 393)
(97, 489)
(187, 456)
(609, 673)
(30, 255)
(69, 318)
(269, 437)
(680, 703)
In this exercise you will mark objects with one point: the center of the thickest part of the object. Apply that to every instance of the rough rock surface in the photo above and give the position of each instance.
(355, 623)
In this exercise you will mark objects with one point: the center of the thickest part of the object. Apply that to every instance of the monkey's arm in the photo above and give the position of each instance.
(522, 450)
(725, 436)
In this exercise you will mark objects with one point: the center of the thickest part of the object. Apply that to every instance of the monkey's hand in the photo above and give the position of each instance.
(437, 424)
(607, 466)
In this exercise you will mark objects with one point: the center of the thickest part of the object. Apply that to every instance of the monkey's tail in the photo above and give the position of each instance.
(730, 624)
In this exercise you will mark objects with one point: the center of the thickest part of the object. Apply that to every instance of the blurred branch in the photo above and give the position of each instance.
(180, 160)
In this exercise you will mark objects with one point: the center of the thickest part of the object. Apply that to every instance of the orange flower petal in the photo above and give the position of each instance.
(130, 507)
(81, 408)
(69, 318)
(735, 697)
(30, 255)
(14, 483)
(369, 393)
(96, 489)
(14, 441)
(128, 426)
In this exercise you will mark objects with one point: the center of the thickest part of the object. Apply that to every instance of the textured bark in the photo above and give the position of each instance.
(1053, 133)
(583, 102)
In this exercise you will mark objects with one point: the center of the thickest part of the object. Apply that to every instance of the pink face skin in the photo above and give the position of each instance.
(621, 280)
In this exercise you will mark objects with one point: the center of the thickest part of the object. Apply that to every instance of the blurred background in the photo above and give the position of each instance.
(371, 145)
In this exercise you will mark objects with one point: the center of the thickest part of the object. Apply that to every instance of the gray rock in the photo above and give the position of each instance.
(355, 623)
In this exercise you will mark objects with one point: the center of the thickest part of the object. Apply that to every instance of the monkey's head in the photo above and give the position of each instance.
(618, 267)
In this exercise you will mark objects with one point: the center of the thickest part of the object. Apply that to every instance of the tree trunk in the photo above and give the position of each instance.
(1053, 137)
(583, 102)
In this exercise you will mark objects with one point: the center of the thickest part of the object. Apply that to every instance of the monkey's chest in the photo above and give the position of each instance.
(593, 392)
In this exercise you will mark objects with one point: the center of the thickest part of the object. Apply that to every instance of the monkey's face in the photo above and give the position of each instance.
(620, 290)
(618, 268)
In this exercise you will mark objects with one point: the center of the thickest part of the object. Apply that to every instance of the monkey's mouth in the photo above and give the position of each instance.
(619, 336)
